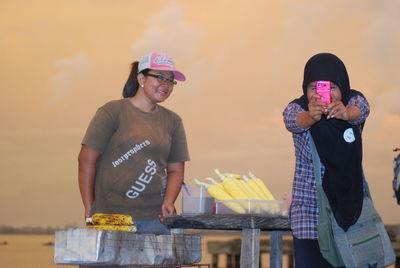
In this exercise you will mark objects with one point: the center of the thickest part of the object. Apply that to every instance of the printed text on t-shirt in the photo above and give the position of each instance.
(144, 179)
(131, 152)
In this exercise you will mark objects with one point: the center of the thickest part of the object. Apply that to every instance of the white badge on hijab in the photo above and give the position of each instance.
(348, 135)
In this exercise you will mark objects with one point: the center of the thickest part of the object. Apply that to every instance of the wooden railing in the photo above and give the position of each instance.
(231, 250)
(250, 226)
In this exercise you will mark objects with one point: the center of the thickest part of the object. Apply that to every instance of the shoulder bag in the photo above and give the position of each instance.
(366, 243)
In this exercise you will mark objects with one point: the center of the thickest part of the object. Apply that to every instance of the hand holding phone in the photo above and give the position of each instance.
(323, 88)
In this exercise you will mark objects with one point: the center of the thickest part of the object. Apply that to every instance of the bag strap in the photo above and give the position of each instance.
(316, 160)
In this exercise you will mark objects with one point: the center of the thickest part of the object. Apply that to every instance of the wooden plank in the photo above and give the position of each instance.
(233, 246)
(250, 251)
(276, 245)
(224, 247)
(229, 222)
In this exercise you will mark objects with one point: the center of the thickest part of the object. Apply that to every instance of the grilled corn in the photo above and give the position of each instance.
(123, 228)
(111, 219)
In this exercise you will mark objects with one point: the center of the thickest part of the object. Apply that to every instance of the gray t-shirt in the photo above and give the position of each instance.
(135, 149)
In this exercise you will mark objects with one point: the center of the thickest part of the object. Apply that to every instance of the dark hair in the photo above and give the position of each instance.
(132, 85)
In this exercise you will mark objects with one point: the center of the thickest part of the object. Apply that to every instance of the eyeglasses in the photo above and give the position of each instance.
(162, 78)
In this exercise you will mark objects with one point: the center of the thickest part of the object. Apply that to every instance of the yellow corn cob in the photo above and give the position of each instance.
(242, 185)
(254, 206)
(111, 219)
(257, 195)
(232, 187)
(236, 179)
(262, 186)
(272, 208)
(233, 175)
(253, 192)
(219, 193)
(247, 191)
(236, 189)
(214, 182)
(123, 228)
(255, 187)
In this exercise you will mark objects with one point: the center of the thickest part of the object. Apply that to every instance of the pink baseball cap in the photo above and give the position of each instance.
(160, 61)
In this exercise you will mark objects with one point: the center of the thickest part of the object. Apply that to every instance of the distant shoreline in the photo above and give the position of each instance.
(6, 229)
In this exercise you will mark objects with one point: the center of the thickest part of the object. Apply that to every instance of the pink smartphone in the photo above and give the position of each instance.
(323, 88)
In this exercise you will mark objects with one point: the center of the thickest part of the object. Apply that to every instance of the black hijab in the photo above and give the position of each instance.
(340, 154)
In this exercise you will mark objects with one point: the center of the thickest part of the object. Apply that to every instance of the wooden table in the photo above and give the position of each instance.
(251, 227)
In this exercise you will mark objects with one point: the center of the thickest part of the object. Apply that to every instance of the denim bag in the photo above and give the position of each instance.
(366, 243)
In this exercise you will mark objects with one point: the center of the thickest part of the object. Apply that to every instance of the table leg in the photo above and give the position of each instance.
(250, 251)
(276, 245)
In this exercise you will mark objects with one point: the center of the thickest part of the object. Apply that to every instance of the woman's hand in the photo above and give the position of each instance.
(167, 209)
(175, 173)
(315, 111)
(316, 108)
(338, 110)
(87, 212)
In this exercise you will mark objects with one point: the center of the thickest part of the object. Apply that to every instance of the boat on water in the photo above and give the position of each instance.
(50, 243)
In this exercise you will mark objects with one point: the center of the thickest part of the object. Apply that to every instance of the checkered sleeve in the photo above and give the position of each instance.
(360, 102)
(304, 208)
(289, 117)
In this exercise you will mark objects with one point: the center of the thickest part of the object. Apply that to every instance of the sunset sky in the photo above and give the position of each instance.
(244, 60)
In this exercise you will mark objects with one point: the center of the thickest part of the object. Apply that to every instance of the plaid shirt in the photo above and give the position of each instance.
(303, 213)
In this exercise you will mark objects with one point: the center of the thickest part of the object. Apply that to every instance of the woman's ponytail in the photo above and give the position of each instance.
(131, 85)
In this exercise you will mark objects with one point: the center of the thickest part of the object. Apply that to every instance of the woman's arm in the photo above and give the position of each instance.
(363, 106)
(297, 120)
(315, 110)
(175, 173)
(87, 172)
(356, 111)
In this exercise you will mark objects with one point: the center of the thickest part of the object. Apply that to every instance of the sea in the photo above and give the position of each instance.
(26, 251)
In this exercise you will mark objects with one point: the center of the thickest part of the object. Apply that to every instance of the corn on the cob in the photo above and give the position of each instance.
(273, 207)
(254, 207)
(123, 228)
(262, 186)
(243, 186)
(111, 219)
(258, 195)
(245, 189)
(219, 193)
(238, 191)
(233, 175)
(232, 186)
(255, 187)
(214, 182)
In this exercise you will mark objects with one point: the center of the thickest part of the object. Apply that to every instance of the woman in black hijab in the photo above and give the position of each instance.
(336, 130)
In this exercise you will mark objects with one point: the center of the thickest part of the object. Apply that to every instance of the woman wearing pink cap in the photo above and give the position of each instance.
(134, 150)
